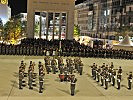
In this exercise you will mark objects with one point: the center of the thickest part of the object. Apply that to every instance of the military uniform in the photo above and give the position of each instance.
(81, 69)
(113, 77)
(30, 79)
(41, 80)
(130, 80)
(98, 74)
(53, 64)
(106, 80)
(118, 81)
(73, 83)
(120, 72)
(21, 76)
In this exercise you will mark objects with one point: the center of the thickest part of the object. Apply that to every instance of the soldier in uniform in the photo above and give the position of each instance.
(65, 73)
(40, 67)
(21, 50)
(30, 79)
(112, 65)
(118, 81)
(47, 64)
(14, 50)
(3, 49)
(73, 83)
(98, 74)
(71, 68)
(53, 64)
(81, 68)
(21, 76)
(120, 72)
(61, 69)
(102, 77)
(106, 80)
(17, 51)
(7, 50)
(41, 80)
(24, 50)
(92, 69)
(94, 72)
(113, 77)
(129, 80)
(110, 73)
(31, 50)
(41, 51)
(103, 66)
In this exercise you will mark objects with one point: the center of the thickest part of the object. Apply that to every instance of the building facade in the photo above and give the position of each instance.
(105, 17)
(5, 11)
(85, 18)
(59, 16)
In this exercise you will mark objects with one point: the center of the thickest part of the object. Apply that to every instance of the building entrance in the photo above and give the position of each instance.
(56, 19)
(50, 25)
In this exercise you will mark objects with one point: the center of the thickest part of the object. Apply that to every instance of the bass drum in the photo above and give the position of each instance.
(61, 76)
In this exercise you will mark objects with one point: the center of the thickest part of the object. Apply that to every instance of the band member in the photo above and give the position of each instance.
(113, 77)
(21, 76)
(130, 80)
(118, 81)
(120, 72)
(73, 84)
(41, 80)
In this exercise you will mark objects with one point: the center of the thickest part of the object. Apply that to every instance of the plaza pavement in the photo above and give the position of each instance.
(86, 88)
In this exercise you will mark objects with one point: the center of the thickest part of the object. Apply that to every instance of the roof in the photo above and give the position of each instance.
(126, 41)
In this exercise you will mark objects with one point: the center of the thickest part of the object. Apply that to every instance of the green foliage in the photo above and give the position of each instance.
(1, 25)
(76, 30)
(36, 28)
(12, 29)
(1, 28)
(124, 30)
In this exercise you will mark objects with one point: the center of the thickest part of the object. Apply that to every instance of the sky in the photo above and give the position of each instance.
(20, 6)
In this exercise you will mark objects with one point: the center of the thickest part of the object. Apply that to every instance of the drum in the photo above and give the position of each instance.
(61, 76)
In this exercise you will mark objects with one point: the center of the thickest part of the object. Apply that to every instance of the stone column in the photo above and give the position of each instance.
(60, 25)
(40, 32)
(46, 25)
(53, 26)
(70, 25)
(30, 24)
(66, 25)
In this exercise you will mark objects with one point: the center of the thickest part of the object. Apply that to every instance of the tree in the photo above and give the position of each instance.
(1, 23)
(36, 28)
(1, 27)
(76, 30)
(12, 29)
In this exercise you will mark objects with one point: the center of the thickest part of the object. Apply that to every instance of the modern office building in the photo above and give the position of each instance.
(84, 18)
(105, 17)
